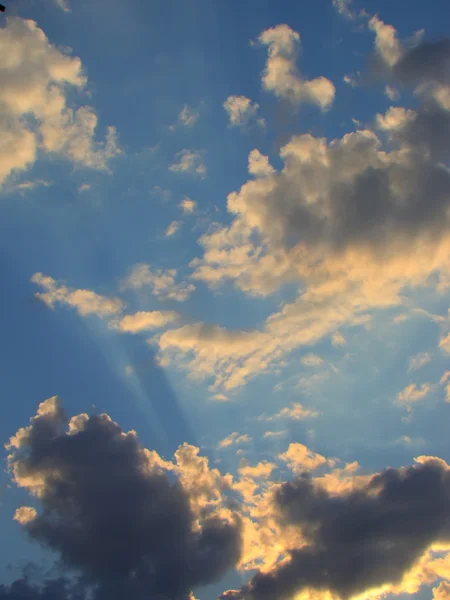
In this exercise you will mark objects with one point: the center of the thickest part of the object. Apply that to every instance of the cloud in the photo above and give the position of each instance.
(36, 117)
(241, 110)
(391, 93)
(413, 393)
(263, 469)
(161, 281)
(86, 302)
(418, 361)
(338, 340)
(366, 539)
(444, 343)
(189, 161)
(300, 458)
(113, 512)
(442, 592)
(173, 227)
(258, 164)
(274, 434)
(188, 206)
(145, 321)
(234, 439)
(187, 117)
(344, 8)
(311, 360)
(281, 76)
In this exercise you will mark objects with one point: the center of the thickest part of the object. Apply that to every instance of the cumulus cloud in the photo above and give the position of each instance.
(281, 76)
(344, 8)
(188, 206)
(364, 539)
(259, 165)
(162, 282)
(241, 110)
(189, 161)
(36, 83)
(113, 512)
(86, 302)
(300, 458)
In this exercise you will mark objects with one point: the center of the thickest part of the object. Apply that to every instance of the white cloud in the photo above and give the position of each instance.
(338, 340)
(386, 41)
(189, 161)
(234, 439)
(300, 458)
(391, 93)
(294, 412)
(311, 360)
(188, 206)
(187, 117)
(86, 302)
(258, 164)
(241, 110)
(350, 80)
(173, 227)
(36, 83)
(161, 281)
(413, 393)
(418, 361)
(144, 321)
(281, 76)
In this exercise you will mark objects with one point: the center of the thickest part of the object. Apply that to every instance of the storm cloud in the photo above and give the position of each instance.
(359, 540)
(115, 512)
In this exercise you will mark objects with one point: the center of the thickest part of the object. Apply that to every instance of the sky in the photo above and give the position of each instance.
(224, 256)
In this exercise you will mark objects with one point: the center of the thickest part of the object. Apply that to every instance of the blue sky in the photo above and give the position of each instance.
(226, 225)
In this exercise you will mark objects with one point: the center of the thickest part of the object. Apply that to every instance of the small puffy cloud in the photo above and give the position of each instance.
(387, 43)
(311, 360)
(444, 381)
(391, 93)
(145, 321)
(442, 592)
(350, 80)
(36, 83)
(162, 282)
(444, 343)
(234, 439)
(187, 117)
(263, 469)
(173, 227)
(418, 361)
(220, 398)
(112, 512)
(281, 76)
(84, 187)
(295, 412)
(300, 458)
(258, 164)
(413, 393)
(188, 206)
(241, 110)
(86, 302)
(338, 340)
(189, 161)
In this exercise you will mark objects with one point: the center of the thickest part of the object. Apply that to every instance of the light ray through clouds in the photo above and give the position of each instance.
(225, 263)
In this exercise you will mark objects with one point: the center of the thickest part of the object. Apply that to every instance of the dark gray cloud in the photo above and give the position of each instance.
(428, 61)
(359, 540)
(115, 517)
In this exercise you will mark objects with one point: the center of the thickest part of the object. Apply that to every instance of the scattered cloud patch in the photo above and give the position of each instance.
(189, 162)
